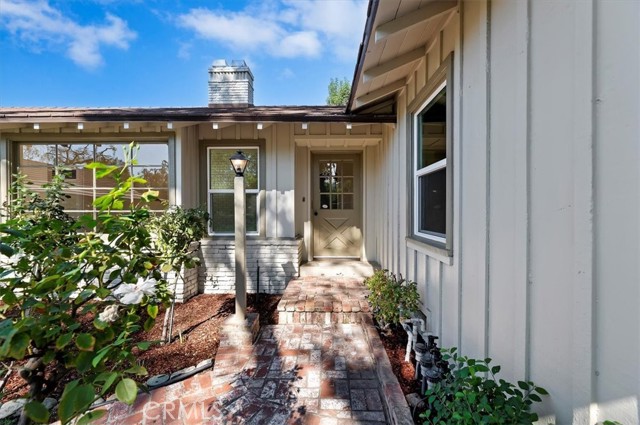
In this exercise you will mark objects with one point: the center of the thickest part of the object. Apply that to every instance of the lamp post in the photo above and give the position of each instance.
(239, 163)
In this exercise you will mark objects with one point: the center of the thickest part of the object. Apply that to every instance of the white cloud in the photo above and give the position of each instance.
(285, 28)
(38, 24)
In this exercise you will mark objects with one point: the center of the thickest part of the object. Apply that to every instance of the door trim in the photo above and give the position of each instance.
(311, 159)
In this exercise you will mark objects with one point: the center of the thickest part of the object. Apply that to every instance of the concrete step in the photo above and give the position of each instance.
(338, 268)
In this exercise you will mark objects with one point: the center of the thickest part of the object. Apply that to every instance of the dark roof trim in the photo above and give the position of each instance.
(371, 17)
(193, 114)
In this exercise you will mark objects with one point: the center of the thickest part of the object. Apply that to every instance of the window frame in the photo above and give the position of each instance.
(441, 79)
(16, 142)
(210, 191)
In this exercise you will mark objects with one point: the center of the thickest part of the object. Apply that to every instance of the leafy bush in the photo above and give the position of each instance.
(472, 394)
(175, 233)
(74, 290)
(391, 300)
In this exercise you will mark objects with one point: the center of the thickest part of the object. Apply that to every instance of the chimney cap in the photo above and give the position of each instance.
(235, 63)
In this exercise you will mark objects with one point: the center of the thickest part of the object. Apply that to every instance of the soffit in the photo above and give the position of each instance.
(391, 48)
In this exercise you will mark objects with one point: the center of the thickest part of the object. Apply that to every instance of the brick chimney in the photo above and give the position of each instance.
(230, 84)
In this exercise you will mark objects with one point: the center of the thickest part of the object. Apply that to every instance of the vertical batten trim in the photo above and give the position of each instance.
(460, 90)
(440, 313)
(527, 351)
(487, 248)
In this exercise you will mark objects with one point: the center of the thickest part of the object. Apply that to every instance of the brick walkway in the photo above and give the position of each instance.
(293, 374)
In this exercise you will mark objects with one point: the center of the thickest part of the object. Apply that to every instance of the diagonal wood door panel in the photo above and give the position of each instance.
(337, 200)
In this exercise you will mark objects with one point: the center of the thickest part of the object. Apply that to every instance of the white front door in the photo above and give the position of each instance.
(337, 205)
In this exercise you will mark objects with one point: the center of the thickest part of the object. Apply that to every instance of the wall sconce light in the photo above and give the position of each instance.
(214, 125)
(125, 126)
(170, 126)
(80, 126)
(305, 125)
(259, 126)
(349, 126)
(36, 126)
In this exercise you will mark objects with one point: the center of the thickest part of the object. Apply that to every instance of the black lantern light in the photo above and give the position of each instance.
(239, 163)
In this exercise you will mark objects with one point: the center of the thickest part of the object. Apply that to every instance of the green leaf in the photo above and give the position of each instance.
(535, 397)
(541, 391)
(127, 391)
(83, 361)
(495, 369)
(148, 324)
(143, 345)
(103, 172)
(85, 342)
(98, 358)
(75, 401)
(99, 324)
(91, 417)
(6, 250)
(63, 340)
(10, 298)
(19, 344)
(166, 268)
(150, 195)
(152, 310)
(523, 385)
(137, 370)
(37, 412)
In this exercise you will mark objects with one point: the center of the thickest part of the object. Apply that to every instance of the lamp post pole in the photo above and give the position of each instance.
(239, 164)
(241, 263)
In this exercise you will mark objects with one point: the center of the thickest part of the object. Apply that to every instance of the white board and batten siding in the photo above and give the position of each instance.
(545, 273)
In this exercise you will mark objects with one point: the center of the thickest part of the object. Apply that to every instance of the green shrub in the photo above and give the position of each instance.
(74, 290)
(472, 394)
(391, 299)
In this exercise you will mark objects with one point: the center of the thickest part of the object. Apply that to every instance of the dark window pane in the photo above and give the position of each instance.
(324, 202)
(336, 202)
(432, 131)
(348, 185)
(433, 202)
(222, 212)
(347, 168)
(325, 184)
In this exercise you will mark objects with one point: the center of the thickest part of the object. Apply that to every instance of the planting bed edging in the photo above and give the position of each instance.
(393, 398)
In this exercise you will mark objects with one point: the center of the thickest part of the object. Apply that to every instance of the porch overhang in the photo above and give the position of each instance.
(65, 120)
(397, 37)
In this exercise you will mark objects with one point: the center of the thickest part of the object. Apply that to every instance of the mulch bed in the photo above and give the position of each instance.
(196, 335)
(395, 344)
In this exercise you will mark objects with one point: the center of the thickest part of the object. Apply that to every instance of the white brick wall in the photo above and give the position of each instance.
(279, 261)
(186, 288)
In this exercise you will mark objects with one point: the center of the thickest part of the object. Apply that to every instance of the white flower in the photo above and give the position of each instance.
(110, 314)
(128, 293)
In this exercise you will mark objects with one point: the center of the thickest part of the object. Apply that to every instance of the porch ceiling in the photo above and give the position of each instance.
(397, 37)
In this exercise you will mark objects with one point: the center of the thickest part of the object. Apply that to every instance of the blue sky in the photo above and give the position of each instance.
(157, 52)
